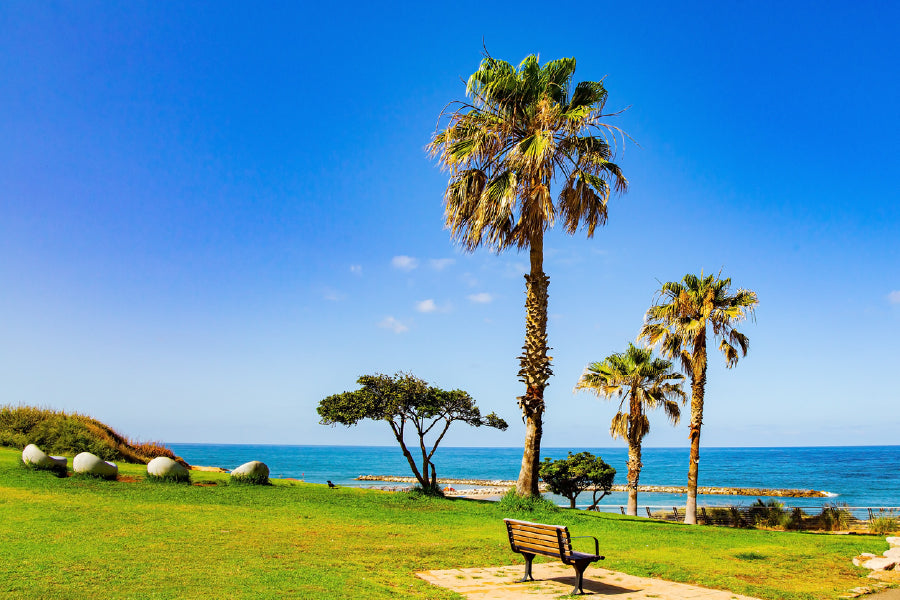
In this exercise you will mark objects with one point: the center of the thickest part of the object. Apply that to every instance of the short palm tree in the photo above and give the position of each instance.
(524, 129)
(678, 323)
(641, 382)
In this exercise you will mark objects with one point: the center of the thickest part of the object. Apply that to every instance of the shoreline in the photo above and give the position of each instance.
(647, 489)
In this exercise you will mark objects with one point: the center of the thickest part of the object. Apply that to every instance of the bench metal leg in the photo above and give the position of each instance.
(528, 559)
(580, 568)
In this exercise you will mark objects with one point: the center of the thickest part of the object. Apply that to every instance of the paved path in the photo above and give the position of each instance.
(554, 579)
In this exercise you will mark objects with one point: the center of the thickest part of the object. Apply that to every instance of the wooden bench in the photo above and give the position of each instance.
(529, 539)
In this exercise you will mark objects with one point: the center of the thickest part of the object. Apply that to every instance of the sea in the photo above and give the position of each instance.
(859, 477)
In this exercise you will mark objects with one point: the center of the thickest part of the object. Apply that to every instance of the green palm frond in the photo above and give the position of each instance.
(641, 381)
(522, 122)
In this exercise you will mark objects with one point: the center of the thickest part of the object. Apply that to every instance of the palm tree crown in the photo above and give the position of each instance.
(523, 129)
(678, 322)
(637, 377)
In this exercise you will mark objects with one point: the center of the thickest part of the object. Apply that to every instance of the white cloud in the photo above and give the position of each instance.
(356, 269)
(439, 264)
(426, 306)
(481, 298)
(894, 297)
(404, 263)
(469, 279)
(393, 324)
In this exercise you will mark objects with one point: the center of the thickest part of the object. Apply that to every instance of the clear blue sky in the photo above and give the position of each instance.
(214, 215)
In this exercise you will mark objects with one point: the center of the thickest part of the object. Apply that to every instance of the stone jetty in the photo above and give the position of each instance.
(662, 489)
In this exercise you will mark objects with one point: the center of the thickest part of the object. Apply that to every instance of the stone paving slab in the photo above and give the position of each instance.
(553, 580)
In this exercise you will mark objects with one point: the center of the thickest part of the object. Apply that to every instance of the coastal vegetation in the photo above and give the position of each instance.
(405, 400)
(641, 383)
(576, 473)
(678, 323)
(61, 433)
(522, 129)
(89, 538)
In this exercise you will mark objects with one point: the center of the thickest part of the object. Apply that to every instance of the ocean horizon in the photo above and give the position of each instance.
(855, 476)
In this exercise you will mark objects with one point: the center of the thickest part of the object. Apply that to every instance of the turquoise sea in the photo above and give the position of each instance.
(862, 476)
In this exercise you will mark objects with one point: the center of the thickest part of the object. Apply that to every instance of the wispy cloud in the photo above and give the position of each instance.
(333, 295)
(894, 297)
(356, 269)
(481, 298)
(404, 263)
(439, 264)
(393, 324)
(426, 306)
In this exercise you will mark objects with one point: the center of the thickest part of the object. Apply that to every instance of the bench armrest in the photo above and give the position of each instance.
(596, 543)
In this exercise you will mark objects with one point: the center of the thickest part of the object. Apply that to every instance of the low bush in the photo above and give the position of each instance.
(513, 504)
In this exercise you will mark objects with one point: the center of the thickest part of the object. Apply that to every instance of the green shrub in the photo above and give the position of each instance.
(834, 517)
(512, 503)
(769, 514)
(884, 522)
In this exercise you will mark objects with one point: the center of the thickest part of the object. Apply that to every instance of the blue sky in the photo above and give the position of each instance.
(214, 215)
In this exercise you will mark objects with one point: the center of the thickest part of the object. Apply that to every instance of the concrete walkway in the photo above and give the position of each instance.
(553, 580)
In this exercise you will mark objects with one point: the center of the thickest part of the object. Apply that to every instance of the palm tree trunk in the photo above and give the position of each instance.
(535, 368)
(634, 473)
(698, 388)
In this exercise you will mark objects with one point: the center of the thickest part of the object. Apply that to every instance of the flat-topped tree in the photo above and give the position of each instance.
(678, 323)
(402, 400)
(570, 476)
(524, 129)
(641, 382)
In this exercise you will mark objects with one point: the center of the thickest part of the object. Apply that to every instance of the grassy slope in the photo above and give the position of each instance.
(76, 538)
(59, 433)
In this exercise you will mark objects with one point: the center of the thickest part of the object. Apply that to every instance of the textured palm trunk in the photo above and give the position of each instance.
(534, 369)
(634, 473)
(698, 387)
(634, 453)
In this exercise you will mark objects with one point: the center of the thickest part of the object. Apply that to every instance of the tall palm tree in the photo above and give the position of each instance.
(645, 383)
(678, 323)
(521, 130)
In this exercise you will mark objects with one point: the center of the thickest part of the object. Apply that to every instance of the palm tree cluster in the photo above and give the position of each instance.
(521, 131)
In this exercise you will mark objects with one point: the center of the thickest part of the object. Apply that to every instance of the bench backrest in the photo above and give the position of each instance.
(537, 538)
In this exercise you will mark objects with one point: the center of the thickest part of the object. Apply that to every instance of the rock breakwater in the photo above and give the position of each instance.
(663, 489)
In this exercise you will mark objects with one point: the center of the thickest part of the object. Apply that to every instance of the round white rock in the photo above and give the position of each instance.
(34, 456)
(91, 464)
(254, 469)
(162, 466)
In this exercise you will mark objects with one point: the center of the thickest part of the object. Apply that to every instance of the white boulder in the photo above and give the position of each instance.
(162, 466)
(253, 470)
(35, 457)
(91, 464)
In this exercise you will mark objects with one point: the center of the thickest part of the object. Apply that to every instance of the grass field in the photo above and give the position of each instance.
(84, 538)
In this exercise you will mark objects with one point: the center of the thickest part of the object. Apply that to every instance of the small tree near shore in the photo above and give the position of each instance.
(570, 476)
(404, 400)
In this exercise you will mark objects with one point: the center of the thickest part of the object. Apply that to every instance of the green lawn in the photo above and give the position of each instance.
(83, 538)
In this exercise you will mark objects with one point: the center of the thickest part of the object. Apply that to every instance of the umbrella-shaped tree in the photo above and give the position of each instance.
(522, 130)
